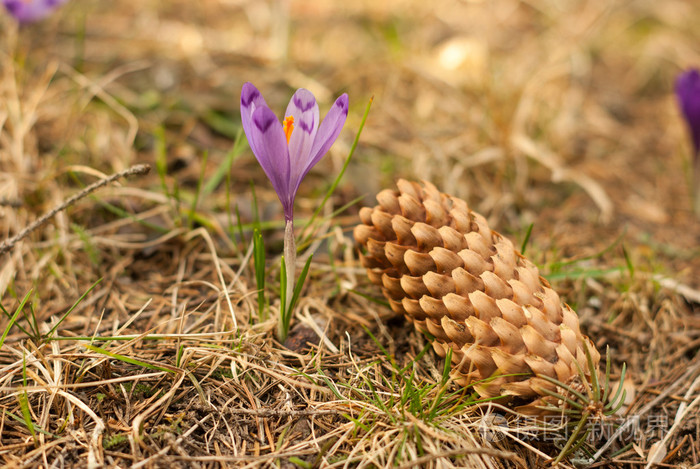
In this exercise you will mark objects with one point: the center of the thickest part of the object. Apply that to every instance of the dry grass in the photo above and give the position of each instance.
(553, 113)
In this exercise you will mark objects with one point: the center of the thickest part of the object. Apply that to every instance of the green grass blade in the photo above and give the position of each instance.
(584, 381)
(22, 421)
(259, 264)
(91, 250)
(224, 169)
(418, 440)
(331, 190)
(239, 226)
(161, 152)
(299, 462)
(221, 122)
(295, 294)
(125, 359)
(229, 212)
(176, 201)
(564, 386)
(70, 310)
(178, 356)
(561, 397)
(618, 240)
(581, 274)
(357, 422)
(26, 414)
(594, 372)
(370, 298)
(574, 438)
(343, 208)
(120, 212)
(418, 358)
(19, 326)
(256, 212)
(620, 403)
(528, 233)
(332, 387)
(14, 318)
(619, 387)
(301, 280)
(283, 329)
(198, 190)
(608, 364)
(308, 240)
(408, 392)
(381, 347)
(447, 367)
(628, 261)
(24, 401)
(34, 324)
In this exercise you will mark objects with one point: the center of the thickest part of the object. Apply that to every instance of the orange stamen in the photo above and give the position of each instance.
(288, 126)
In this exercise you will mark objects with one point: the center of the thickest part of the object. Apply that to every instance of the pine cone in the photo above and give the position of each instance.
(441, 266)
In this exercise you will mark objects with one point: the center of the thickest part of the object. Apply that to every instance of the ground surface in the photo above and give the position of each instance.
(555, 114)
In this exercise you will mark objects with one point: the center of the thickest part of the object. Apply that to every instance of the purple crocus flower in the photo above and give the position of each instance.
(688, 93)
(287, 151)
(26, 11)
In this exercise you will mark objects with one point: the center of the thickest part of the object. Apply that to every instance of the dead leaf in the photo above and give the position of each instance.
(657, 452)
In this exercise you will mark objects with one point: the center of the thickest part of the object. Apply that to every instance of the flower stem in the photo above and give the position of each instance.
(290, 262)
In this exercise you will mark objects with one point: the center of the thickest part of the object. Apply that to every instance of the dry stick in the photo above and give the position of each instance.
(138, 169)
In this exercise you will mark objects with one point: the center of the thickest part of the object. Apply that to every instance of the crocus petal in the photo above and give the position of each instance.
(688, 93)
(251, 99)
(304, 109)
(26, 11)
(269, 144)
(328, 131)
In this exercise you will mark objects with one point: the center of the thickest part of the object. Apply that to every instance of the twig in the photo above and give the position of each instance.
(138, 169)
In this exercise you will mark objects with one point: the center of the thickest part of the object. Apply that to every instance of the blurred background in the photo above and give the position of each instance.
(557, 113)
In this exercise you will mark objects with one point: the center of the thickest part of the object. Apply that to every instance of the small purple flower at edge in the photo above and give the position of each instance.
(688, 93)
(26, 11)
(287, 151)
